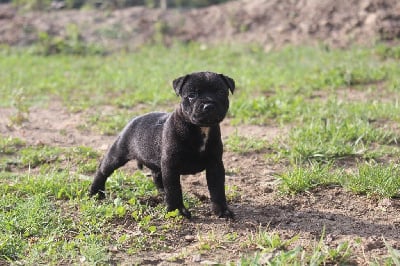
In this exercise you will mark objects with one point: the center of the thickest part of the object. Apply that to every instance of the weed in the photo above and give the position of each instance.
(321, 253)
(21, 106)
(232, 193)
(394, 258)
(388, 51)
(9, 145)
(71, 43)
(268, 242)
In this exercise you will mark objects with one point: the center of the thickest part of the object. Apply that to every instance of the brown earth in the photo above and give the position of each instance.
(271, 23)
(366, 223)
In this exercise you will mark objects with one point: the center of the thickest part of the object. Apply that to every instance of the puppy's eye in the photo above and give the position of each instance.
(192, 95)
(222, 92)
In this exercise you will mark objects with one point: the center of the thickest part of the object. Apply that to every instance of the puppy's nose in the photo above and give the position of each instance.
(207, 107)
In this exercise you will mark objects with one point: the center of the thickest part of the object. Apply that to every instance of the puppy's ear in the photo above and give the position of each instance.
(178, 83)
(229, 82)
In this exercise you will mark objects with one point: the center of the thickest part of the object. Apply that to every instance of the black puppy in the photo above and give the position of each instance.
(185, 141)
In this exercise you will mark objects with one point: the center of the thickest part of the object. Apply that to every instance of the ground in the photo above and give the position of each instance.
(333, 213)
(330, 212)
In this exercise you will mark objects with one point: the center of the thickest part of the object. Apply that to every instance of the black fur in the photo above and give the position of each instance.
(186, 141)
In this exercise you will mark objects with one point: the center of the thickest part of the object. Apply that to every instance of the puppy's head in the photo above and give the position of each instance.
(204, 96)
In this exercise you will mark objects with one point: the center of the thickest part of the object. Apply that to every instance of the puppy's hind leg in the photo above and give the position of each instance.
(114, 158)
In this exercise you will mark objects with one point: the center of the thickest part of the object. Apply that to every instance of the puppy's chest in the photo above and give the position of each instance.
(204, 138)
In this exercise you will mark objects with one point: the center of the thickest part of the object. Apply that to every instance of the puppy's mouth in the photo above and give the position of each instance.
(207, 115)
(206, 121)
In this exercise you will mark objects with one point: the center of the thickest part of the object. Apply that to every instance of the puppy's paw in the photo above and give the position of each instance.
(97, 192)
(184, 212)
(222, 211)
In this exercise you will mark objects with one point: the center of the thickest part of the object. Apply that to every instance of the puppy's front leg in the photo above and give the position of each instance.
(173, 192)
(215, 174)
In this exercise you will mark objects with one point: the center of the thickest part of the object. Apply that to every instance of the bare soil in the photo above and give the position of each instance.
(364, 222)
(271, 23)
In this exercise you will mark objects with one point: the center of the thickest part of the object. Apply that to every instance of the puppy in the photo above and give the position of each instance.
(186, 141)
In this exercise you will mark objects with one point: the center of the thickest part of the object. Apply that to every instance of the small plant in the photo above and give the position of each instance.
(232, 193)
(269, 242)
(32, 4)
(394, 255)
(22, 108)
(72, 43)
(10, 145)
(161, 28)
(388, 52)
(321, 253)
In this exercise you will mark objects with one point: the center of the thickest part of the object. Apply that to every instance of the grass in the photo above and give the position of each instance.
(340, 107)
(241, 144)
(372, 179)
(274, 250)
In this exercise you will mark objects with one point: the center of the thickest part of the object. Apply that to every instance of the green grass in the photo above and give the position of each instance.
(372, 179)
(45, 221)
(15, 153)
(339, 107)
(274, 250)
(48, 218)
(243, 145)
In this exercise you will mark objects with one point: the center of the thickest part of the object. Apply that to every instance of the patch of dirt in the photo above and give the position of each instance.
(53, 125)
(364, 222)
(271, 23)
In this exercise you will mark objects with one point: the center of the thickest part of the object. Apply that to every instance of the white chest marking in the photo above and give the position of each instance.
(204, 134)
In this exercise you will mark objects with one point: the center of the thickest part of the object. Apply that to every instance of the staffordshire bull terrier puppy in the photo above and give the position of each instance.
(186, 141)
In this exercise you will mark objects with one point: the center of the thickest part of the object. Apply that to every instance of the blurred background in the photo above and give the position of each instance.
(128, 24)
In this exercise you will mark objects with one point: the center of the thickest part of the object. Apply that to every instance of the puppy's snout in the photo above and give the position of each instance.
(208, 107)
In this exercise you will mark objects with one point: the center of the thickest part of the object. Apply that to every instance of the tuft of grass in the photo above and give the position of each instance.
(70, 44)
(268, 242)
(21, 106)
(374, 180)
(273, 250)
(302, 178)
(340, 131)
(386, 52)
(322, 254)
(243, 145)
(110, 124)
(394, 255)
(9, 145)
